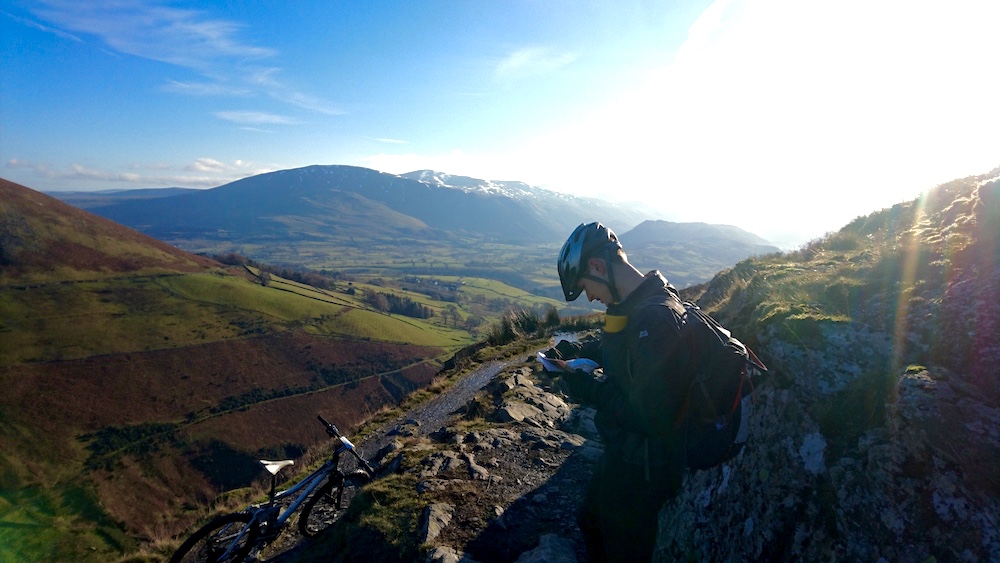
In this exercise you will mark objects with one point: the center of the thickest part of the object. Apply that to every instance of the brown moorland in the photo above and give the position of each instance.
(44, 239)
(129, 406)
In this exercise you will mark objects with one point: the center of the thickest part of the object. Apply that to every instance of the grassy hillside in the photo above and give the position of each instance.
(914, 284)
(140, 381)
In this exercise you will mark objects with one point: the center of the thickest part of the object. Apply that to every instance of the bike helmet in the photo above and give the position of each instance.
(586, 241)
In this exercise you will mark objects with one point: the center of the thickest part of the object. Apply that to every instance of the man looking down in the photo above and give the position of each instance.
(638, 399)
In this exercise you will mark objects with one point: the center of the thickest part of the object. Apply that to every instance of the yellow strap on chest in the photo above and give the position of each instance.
(615, 323)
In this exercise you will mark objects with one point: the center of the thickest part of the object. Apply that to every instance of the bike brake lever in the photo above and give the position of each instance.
(331, 430)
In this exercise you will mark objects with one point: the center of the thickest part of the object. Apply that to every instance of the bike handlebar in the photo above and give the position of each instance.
(330, 428)
(332, 431)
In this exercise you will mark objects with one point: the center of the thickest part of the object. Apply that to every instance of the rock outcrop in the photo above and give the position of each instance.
(877, 438)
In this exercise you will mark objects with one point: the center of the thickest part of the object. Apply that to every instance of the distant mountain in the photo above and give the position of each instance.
(101, 198)
(689, 253)
(291, 204)
(356, 219)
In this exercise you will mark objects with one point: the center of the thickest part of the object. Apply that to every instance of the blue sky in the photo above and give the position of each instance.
(785, 117)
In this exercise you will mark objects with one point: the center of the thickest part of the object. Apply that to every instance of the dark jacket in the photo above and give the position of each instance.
(638, 400)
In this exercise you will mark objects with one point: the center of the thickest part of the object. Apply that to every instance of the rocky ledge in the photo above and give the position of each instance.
(504, 479)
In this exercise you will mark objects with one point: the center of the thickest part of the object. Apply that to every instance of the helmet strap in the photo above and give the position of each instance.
(608, 255)
(610, 282)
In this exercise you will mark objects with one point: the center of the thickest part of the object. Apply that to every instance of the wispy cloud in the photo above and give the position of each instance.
(204, 89)
(203, 173)
(392, 141)
(237, 167)
(531, 61)
(255, 118)
(41, 27)
(187, 38)
(193, 39)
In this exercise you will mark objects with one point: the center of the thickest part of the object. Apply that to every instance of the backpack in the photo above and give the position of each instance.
(713, 417)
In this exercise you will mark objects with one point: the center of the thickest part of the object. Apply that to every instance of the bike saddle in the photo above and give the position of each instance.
(273, 467)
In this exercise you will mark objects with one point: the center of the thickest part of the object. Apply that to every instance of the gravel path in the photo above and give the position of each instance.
(429, 416)
(432, 415)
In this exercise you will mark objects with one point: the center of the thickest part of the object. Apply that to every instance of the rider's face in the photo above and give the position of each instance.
(597, 291)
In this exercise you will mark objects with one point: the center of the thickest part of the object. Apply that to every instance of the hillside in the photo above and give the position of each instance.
(43, 239)
(877, 435)
(360, 221)
(133, 371)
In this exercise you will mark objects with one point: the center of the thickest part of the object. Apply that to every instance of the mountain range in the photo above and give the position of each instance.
(351, 218)
(375, 204)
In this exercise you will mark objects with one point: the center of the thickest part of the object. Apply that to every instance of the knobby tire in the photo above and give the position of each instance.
(319, 510)
(213, 539)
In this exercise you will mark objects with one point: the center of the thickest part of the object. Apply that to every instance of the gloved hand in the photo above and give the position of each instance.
(582, 385)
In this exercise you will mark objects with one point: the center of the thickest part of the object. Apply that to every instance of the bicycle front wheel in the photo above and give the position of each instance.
(320, 509)
(226, 538)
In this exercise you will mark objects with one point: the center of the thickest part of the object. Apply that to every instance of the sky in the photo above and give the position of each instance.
(788, 118)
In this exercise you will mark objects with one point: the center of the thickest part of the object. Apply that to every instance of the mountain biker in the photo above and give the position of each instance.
(643, 462)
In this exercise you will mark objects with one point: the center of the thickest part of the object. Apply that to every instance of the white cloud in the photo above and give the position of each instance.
(255, 117)
(177, 36)
(206, 165)
(44, 28)
(185, 38)
(202, 173)
(531, 61)
(204, 89)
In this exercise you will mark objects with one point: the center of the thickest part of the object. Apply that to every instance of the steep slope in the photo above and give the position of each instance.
(42, 238)
(876, 436)
(133, 371)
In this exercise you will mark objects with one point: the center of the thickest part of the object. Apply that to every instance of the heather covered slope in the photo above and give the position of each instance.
(133, 371)
(878, 433)
(43, 239)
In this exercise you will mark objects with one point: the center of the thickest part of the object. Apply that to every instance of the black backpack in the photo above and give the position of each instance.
(713, 417)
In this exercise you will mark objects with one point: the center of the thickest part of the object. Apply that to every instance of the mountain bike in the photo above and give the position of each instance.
(238, 535)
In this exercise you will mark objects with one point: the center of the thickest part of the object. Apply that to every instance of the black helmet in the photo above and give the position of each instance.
(583, 244)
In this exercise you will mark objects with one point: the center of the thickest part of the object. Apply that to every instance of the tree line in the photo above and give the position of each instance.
(401, 305)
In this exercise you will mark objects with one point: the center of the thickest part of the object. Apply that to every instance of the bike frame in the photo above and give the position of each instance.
(262, 513)
(307, 486)
(267, 520)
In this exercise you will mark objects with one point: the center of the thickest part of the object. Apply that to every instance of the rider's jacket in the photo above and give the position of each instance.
(638, 400)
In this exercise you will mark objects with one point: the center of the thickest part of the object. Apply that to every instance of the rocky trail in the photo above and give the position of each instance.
(525, 468)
